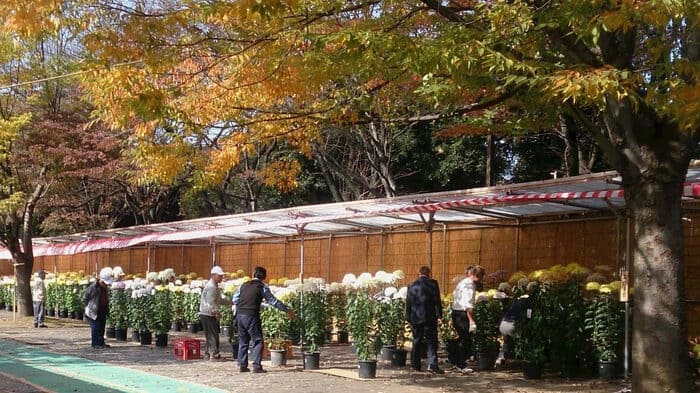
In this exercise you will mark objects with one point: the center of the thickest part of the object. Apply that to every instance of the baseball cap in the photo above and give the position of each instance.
(217, 270)
(106, 275)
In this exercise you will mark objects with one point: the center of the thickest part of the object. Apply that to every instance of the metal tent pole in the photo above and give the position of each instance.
(628, 259)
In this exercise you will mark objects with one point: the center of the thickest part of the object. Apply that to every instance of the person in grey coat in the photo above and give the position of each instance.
(96, 300)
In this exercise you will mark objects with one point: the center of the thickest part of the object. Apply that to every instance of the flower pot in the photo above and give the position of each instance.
(162, 340)
(385, 353)
(192, 327)
(63, 314)
(120, 334)
(329, 335)
(199, 326)
(110, 332)
(342, 337)
(226, 331)
(145, 337)
(398, 357)
(532, 370)
(71, 315)
(78, 315)
(8, 307)
(278, 357)
(175, 326)
(607, 370)
(312, 360)
(135, 336)
(485, 361)
(51, 313)
(368, 369)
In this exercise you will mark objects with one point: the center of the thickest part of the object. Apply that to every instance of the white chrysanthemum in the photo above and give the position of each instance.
(197, 290)
(384, 277)
(336, 287)
(401, 293)
(117, 272)
(504, 287)
(178, 282)
(292, 282)
(399, 274)
(118, 285)
(84, 281)
(196, 284)
(166, 275)
(500, 295)
(349, 279)
(152, 276)
(390, 291)
(186, 289)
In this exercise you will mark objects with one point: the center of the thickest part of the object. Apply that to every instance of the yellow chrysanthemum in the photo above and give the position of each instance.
(592, 286)
(273, 281)
(491, 292)
(536, 275)
(615, 285)
(515, 277)
(605, 288)
(245, 279)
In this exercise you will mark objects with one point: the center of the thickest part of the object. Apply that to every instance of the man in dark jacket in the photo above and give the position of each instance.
(423, 312)
(96, 300)
(247, 300)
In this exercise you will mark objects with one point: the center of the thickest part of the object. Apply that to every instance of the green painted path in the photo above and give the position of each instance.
(61, 373)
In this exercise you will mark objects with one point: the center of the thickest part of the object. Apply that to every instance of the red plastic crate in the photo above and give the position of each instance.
(186, 349)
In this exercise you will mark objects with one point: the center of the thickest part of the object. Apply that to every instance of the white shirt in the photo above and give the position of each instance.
(464, 295)
(38, 290)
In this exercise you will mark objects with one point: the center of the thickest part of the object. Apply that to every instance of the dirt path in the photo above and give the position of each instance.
(70, 337)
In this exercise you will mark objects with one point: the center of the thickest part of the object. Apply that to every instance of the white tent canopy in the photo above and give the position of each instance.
(579, 196)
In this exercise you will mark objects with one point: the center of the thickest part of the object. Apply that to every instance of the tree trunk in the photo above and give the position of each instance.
(569, 132)
(490, 162)
(24, 279)
(660, 362)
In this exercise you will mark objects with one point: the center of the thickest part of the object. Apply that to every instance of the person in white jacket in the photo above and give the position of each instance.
(39, 298)
(209, 313)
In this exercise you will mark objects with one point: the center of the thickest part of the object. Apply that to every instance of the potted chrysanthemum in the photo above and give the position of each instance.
(362, 310)
(605, 320)
(162, 314)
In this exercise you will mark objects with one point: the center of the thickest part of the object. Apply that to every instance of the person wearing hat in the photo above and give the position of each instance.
(38, 298)
(248, 299)
(209, 313)
(96, 300)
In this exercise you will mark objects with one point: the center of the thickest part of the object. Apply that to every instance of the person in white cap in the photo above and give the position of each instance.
(96, 300)
(209, 313)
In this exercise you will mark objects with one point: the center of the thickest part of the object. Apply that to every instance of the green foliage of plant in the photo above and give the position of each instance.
(338, 310)
(191, 307)
(177, 299)
(161, 315)
(313, 316)
(118, 311)
(362, 309)
(71, 297)
(140, 307)
(488, 315)
(605, 321)
(275, 323)
(567, 308)
(391, 321)
(532, 334)
(446, 329)
(51, 296)
(226, 315)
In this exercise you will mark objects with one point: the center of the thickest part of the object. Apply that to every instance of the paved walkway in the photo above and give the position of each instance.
(46, 371)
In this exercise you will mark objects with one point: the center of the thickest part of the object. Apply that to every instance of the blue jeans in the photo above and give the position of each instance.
(38, 313)
(249, 329)
(428, 332)
(97, 330)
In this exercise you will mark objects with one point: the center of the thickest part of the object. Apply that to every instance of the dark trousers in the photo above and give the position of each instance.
(427, 332)
(97, 330)
(249, 329)
(210, 325)
(38, 313)
(461, 325)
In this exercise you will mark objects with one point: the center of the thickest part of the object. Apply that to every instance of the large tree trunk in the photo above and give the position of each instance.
(660, 362)
(24, 279)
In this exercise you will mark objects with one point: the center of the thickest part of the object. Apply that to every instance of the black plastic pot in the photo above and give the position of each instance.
(162, 340)
(342, 337)
(398, 357)
(145, 337)
(135, 335)
(385, 353)
(51, 313)
(532, 370)
(110, 332)
(78, 315)
(607, 370)
(312, 360)
(8, 307)
(278, 357)
(485, 361)
(234, 350)
(192, 327)
(61, 314)
(226, 331)
(120, 334)
(368, 369)
(175, 326)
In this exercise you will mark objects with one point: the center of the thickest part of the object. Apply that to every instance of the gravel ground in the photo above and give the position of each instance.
(73, 338)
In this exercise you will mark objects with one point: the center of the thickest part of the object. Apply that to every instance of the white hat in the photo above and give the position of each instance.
(106, 275)
(217, 270)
